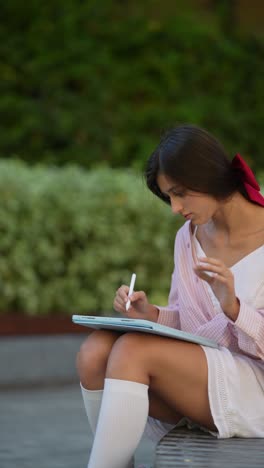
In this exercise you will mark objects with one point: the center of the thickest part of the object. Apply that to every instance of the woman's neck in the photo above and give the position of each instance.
(237, 215)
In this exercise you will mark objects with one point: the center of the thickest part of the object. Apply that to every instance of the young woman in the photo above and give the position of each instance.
(217, 291)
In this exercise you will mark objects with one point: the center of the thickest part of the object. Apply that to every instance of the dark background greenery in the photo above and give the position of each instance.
(69, 237)
(87, 88)
(97, 82)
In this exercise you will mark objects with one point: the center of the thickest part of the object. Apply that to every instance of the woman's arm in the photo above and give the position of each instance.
(247, 321)
(250, 330)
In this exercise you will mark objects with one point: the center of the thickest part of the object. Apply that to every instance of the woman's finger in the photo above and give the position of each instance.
(219, 269)
(209, 274)
(211, 269)
(119, 302)
(203, 275)
(122, 293)
(137, 295)
(211, 260)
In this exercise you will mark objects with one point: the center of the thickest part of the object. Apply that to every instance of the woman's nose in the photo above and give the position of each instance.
(176, 206)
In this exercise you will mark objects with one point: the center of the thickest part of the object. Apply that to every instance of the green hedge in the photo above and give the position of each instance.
(70, 237)
(96, 82)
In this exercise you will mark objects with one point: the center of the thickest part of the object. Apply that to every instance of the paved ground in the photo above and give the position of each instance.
(46, 427)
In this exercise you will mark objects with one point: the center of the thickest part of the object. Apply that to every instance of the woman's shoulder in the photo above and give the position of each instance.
(183, 235)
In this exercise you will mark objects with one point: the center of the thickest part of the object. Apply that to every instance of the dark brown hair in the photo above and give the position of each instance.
(195, 160)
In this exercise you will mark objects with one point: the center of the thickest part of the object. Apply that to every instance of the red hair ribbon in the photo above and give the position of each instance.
(248, 179)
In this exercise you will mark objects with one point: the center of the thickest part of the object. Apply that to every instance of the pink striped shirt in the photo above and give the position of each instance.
(192, 306)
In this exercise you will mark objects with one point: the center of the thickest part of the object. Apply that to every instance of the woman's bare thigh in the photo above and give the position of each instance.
(176, 372)
(159, 409)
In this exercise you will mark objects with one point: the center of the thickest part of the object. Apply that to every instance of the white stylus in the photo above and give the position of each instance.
(131, 289)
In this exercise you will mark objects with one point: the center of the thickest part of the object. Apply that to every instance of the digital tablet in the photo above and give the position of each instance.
(124, 324)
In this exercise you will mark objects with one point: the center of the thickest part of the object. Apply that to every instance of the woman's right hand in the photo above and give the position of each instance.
(139, 305)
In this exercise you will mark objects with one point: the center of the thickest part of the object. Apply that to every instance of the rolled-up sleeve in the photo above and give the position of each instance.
(169, 315)
(250, 330)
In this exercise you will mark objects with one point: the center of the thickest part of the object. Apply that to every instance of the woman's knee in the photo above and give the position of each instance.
(94, 352)
(130, 348)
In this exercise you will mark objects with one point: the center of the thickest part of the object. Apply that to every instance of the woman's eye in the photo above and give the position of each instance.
(178, 194)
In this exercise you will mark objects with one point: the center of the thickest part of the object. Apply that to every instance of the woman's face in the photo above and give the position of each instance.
(196, 206)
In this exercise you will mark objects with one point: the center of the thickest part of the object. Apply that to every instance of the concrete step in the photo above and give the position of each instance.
(34, 360)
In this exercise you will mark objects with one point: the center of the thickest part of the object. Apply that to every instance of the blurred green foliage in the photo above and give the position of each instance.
(96, 82)
(70, 237)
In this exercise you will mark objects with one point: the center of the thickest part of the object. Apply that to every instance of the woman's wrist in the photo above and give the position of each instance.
(233, 311)
(153, 313)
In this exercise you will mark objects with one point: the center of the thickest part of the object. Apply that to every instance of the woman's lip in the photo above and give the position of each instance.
(187, 215)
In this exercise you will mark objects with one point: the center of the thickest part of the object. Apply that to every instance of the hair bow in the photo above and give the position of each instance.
(248, 179)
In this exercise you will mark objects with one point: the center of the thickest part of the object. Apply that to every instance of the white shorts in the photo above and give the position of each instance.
(236, 397)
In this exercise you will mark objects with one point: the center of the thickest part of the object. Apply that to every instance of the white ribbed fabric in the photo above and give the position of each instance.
(236, 394)
(92, 402)
(121, 423)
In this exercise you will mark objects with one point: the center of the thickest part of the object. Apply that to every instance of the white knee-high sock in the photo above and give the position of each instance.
(121, 423)
(92, 402)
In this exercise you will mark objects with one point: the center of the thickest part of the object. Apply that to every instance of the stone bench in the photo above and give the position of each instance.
(197, 449)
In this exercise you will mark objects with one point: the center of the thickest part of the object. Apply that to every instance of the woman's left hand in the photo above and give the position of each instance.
(221, 280)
